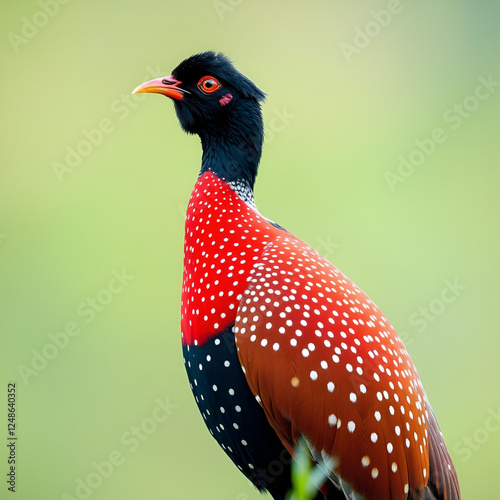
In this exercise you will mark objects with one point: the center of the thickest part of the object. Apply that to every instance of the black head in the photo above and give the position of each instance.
(206, 89)
(214, 100)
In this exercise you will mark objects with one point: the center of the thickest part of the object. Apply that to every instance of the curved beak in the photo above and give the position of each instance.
(167, 86)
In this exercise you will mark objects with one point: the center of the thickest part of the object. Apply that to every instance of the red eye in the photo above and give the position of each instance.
(208, 84)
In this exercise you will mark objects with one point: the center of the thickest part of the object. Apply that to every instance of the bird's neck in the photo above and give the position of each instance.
(233, 151)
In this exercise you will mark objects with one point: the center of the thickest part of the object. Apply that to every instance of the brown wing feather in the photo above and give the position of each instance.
(443, 479)
(326, 365)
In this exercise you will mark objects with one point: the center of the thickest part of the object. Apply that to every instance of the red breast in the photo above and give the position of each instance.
(224, 238)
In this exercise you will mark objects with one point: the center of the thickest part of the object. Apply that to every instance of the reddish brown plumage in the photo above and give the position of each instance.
(318, 355)
(326, 364)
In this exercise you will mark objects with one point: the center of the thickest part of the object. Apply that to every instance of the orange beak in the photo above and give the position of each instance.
(167, 86)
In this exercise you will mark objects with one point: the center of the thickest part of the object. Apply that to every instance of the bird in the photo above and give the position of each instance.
(281, 349)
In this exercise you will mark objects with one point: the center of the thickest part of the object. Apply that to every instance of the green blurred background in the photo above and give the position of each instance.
(351, 87)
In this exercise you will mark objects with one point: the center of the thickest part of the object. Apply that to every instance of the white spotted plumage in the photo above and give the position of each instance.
(370, 373)
(313, 347)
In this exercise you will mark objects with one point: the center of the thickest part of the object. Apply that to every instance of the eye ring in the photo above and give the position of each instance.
(208, 84)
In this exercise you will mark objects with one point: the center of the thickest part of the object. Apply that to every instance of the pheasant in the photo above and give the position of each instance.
(279, 346)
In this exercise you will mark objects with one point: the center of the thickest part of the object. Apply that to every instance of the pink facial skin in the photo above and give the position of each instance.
(225, 99)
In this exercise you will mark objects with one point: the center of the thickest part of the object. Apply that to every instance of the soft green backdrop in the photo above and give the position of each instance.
(351, 87)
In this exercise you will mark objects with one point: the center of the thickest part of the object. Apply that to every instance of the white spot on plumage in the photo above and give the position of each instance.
(309, 293)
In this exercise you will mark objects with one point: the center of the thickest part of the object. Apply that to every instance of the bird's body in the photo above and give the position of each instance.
(278, 344)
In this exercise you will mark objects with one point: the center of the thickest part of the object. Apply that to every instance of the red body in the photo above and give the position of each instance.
(318, 355)
(224, 238)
